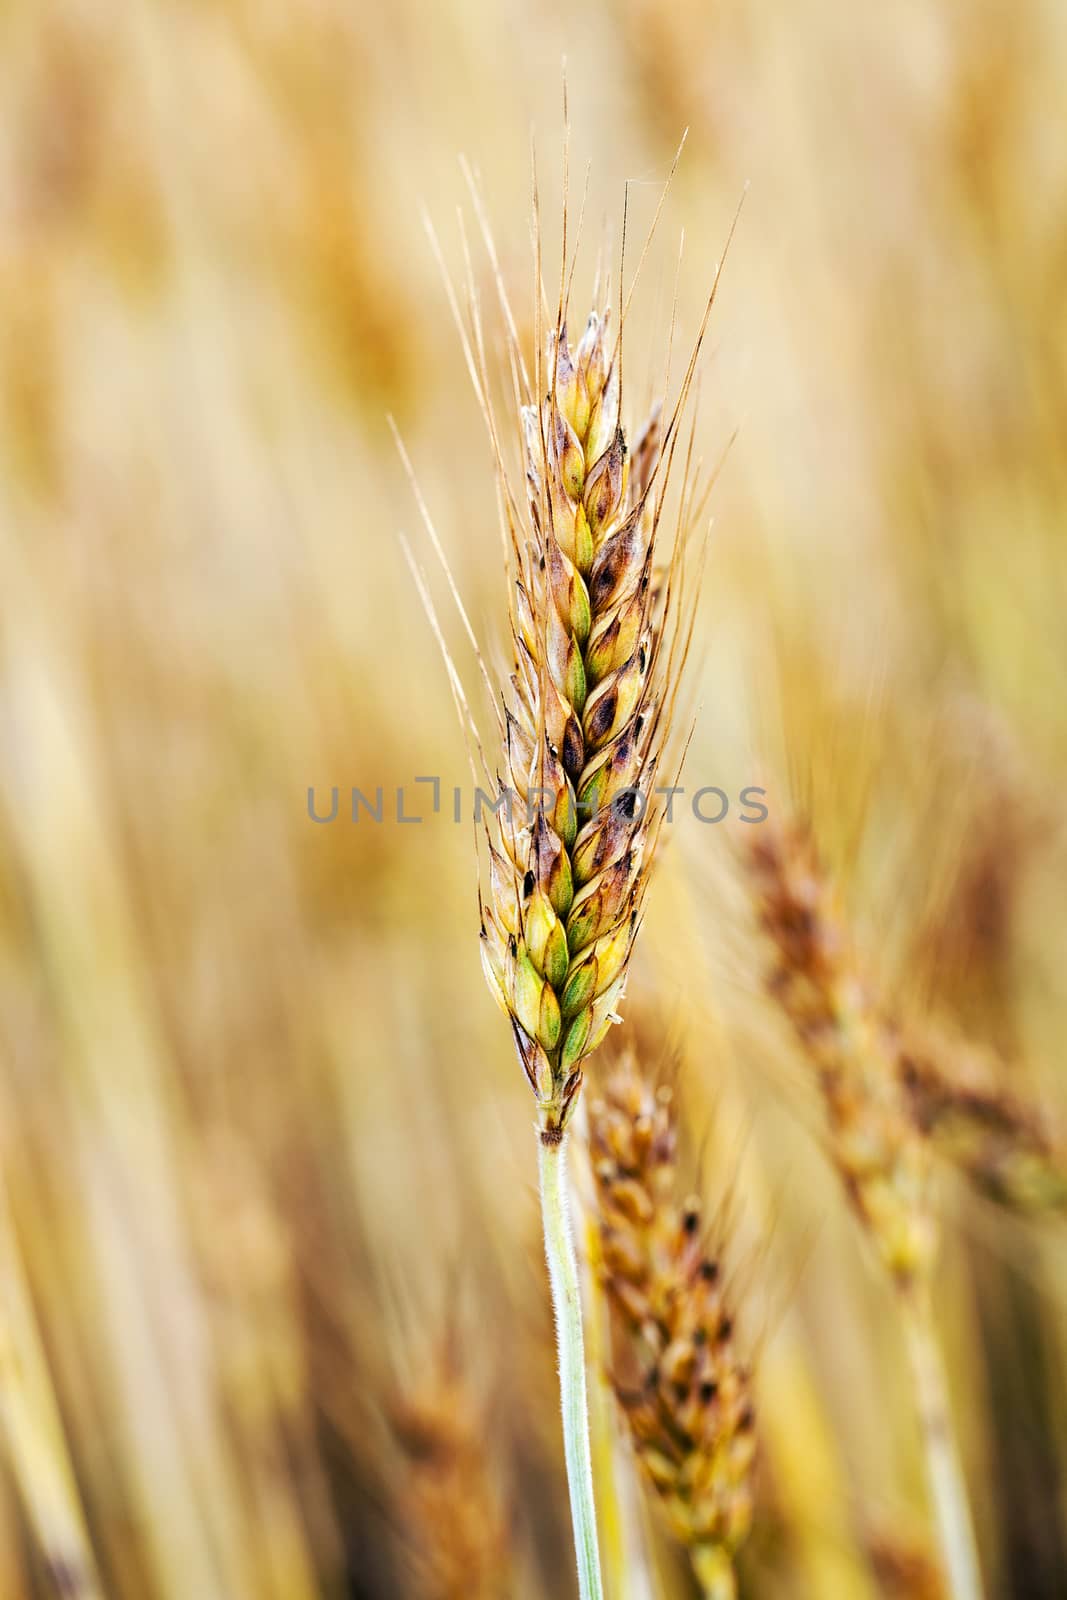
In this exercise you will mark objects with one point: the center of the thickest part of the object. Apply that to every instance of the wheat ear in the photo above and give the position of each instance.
(682, 1385)
(881, 1153)
(599, 638)
(585, 716)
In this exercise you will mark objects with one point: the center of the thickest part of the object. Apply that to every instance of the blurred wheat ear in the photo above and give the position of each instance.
(881, 1152)
(1007, 1145)
(684, 1389)
(449, 1504)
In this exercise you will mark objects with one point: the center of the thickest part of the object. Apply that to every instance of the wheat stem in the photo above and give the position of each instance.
(566, 1301)
(948, 1491)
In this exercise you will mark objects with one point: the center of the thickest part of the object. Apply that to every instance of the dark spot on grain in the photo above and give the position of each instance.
(602, 716)
(573, 748)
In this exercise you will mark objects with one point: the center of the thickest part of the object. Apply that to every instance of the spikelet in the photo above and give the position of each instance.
(686, 1392)
(1007, 1146)
(447, 1503)
(881, 1155)
(587, 710)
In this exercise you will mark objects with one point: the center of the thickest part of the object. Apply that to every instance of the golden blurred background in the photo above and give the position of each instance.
(272, 1303)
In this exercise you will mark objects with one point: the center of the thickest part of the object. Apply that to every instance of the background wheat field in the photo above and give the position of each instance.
(273, 1319)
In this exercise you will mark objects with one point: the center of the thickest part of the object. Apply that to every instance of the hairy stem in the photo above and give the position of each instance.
(566, 1301)
(948, 1492)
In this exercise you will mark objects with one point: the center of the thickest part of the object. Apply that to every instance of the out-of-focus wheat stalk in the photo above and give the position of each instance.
(881, 1153)
(685, 1391)
(33, 1431)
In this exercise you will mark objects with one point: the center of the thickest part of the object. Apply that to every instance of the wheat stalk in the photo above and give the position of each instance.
(683, 1387)
(585, 717)
(881, 1152)
(600, 622)
(599, 639)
